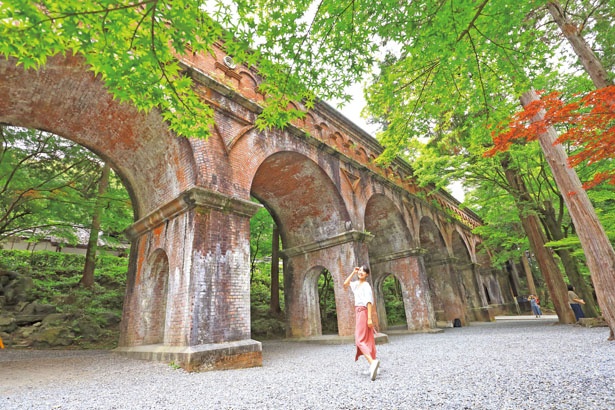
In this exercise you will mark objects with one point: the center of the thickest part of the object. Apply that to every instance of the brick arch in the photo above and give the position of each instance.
(460, 248)
(490, 285)
(323, 131)
(470, 282)
(337, 140)
(154, 283)
(379, 291)
(362, 155)
(301, 197)
(432, 240)
(384, 221)
(445, 289)
(66, 99)
(310, 301)
(248, 84)
(309, 122)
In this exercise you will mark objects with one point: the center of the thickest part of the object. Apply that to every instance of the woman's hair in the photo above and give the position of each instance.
(570, 287)
(365, 269)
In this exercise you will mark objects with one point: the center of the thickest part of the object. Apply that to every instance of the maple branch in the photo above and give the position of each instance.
(104, 11)
(471, 24)
(455, 84)
(303, 42)
(135, 31)
(590, 14)
(416, 104)
(38, 151)
(429, 69)
(480, 75)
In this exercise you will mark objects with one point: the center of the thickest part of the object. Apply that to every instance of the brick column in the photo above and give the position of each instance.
(445, 286)
(409, 269)
(339, 254)
(205, 236)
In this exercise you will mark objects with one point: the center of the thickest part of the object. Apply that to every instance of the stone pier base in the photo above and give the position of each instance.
(217, 356)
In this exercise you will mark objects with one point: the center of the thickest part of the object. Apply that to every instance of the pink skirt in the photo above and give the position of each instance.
(363, 335)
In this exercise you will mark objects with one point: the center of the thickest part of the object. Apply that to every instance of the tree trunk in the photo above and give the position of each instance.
(592, 64)
(531, 287)
(87, 280)
(599, 253)
(514, 276)
(544, 257)
(571, 265)
(274, 303)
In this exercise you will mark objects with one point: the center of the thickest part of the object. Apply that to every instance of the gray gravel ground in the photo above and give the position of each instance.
(521, 364)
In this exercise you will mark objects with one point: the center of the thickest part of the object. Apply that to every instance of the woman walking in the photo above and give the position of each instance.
(364, 326)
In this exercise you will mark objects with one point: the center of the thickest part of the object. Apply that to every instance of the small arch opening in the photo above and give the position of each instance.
(326, 303)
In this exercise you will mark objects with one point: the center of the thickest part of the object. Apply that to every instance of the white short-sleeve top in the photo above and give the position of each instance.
(362, 293)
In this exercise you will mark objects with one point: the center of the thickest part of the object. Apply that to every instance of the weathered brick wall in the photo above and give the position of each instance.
(173, 240)
(303, 265)
(411, 274)
(188, 285)
(64, 98)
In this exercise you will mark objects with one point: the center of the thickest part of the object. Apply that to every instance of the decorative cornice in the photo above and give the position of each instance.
(350, 236)
(328, 112)
(194, 197)
(443, 261)
(220, 88)
(399, 255)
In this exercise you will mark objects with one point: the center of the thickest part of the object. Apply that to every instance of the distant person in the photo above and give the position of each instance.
(575, 303)
(364, 326)
(535, 304)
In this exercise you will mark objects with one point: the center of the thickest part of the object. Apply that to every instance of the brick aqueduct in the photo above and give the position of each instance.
(188, 290)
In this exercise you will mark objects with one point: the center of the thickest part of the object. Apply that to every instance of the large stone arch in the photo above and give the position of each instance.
(391, 252)
(383, 315)
(445, 290)
(494, 282)
(301, 197)
(384, 221)
(470, 284)
(311, 217)
(66, 99)
(310, 299)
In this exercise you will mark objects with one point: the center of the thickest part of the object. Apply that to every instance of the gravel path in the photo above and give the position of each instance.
(512, 364)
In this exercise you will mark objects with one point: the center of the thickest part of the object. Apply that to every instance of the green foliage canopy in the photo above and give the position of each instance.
(48, 185)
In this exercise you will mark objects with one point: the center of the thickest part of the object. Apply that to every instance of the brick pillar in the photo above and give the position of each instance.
(409, 269)
(471, 290)
(205, 236)
(445, 287)
(339, 254)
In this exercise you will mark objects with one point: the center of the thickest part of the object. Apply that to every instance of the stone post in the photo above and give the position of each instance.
(205, 236)
(339, 254)
(410, 271)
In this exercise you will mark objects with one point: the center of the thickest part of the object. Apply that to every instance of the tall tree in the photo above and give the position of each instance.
(274, 304)
(533, 229)
(598, 250)
(87, 279)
